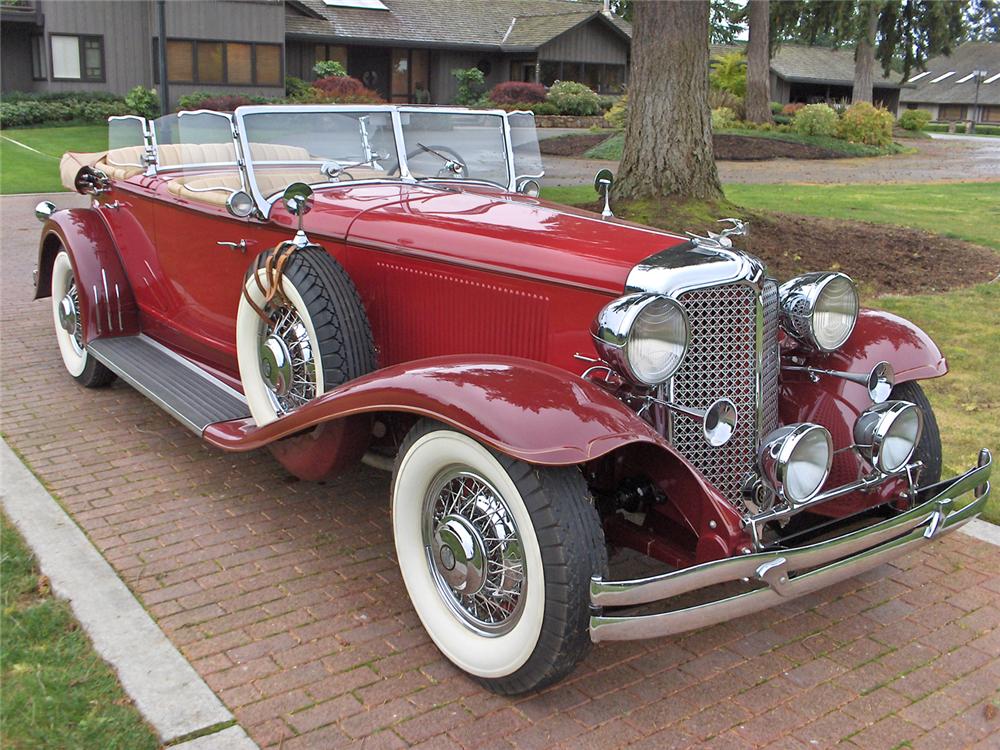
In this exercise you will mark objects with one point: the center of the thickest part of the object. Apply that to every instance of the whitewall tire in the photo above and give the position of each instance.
(317, 337)
(68, 324)
(496, 556)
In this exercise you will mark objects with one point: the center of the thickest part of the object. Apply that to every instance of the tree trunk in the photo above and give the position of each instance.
(758, 101)
(864, 56)
(668, 135)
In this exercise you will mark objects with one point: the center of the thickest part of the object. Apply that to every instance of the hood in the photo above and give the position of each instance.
(504, 233)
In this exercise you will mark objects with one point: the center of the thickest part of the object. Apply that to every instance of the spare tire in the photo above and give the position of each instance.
(316, 337)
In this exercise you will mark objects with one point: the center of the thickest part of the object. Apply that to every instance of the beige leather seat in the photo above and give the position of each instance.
(123, 163)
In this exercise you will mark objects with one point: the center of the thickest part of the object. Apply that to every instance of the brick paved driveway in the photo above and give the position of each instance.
(286, 597)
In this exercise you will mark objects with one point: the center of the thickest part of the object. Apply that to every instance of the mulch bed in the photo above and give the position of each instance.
(881, 258)
(727, 147)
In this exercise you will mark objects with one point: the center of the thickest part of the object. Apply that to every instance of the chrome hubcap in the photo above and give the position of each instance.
(474, 552)
(287, 360)
(276, 364)
(67, 313)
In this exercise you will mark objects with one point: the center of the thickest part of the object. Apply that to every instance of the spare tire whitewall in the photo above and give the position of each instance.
(502, 601)
(317, 336)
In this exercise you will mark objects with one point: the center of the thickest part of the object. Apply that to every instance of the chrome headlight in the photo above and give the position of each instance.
(888, 433)
(795, 461)
(820, 309)
(643, 336)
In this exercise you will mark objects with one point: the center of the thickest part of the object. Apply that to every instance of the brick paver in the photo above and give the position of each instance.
(286, 598)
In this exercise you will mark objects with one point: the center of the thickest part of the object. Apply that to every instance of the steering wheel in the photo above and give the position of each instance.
(428, 152)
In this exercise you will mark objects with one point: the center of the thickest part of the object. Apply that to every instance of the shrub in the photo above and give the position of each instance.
(914, 119)
(216, 102)
(143, 102)
(471, 86)
(791, 108)
(864, 123)
(296, 87)
(608, 101)
(729, 73)
(542, 108)
(329, 69)
(782, 119)
(25, 111)
(59, 96)
(718, 98)
(723, 118)
(572, 98)
(517, 92)
(815, 119)
(618, 114)
(776, 108)
(341, 90)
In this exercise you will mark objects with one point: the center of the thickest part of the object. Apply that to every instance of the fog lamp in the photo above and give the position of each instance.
(887, 434)
(795, 461)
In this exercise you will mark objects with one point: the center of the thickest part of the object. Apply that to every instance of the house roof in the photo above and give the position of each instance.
(934, 85)
(803, 63)
(500, 25)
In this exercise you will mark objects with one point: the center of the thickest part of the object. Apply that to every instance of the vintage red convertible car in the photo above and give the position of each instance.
(382, 283)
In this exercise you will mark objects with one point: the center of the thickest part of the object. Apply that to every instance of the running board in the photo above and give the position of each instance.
(177, 385)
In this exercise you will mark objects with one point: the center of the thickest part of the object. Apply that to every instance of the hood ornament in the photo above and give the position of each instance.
(722, 239)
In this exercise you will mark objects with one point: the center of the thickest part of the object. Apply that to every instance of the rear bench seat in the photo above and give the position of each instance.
(215, 187)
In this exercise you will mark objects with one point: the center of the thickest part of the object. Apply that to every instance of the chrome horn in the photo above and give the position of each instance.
(879, 381)
(718, 421)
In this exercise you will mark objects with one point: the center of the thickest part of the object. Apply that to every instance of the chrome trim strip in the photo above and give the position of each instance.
(838, 559)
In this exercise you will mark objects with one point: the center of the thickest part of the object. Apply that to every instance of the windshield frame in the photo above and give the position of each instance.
(264, 203)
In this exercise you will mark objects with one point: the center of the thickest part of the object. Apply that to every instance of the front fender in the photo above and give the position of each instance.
(529, 410)
(881, 336)
(107, 304)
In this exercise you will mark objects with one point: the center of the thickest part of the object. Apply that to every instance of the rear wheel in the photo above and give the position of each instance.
(497, 557)
(86, 370)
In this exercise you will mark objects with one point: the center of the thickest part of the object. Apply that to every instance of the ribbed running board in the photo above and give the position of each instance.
(178, 386)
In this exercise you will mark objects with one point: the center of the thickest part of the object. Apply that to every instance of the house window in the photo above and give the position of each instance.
(220, 63)
(77, 58)
(951, 112)
(991, 114)
(38, 57)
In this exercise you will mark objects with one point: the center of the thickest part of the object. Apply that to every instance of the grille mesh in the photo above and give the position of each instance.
(722, 362)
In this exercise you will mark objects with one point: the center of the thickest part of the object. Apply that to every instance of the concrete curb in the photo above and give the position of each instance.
(982, 530)
(164, 686)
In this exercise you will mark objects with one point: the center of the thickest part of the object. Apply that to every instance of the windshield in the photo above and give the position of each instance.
(455, 146)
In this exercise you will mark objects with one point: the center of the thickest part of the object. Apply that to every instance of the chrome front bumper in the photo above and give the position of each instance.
(826, 563)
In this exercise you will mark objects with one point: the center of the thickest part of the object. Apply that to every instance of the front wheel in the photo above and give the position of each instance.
(497, 557)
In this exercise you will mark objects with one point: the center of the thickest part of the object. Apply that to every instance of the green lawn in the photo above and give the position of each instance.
(57, 692)
(25, 171)
(964, 323)
(967, 210)
(611, 149)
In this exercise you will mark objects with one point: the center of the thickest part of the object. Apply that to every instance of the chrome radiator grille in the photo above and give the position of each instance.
(722, 361)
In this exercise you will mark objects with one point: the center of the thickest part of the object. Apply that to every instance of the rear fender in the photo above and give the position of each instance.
(107, 304)
(529, 410)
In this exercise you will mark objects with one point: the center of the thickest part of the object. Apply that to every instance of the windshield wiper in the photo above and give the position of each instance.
(452, 165)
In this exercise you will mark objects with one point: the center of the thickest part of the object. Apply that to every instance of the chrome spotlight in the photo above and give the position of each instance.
(819, 309)
(795, 461)
(886, 435)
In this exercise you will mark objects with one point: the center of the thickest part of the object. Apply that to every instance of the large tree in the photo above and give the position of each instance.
(668, 134)
(758, 97)
(899, 34)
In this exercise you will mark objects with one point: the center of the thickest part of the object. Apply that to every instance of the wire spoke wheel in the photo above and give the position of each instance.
(474, 551)
(287, 359)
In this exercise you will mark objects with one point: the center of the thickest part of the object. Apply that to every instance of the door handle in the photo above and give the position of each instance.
(241, 245)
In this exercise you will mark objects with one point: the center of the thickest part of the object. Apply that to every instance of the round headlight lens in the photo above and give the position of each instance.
(887, 434)
(835, 313)
(795, 460)
(657, 341)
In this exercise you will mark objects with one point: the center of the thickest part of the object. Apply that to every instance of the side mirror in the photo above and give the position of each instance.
(44, 210)
(602, 184)
(296, 199)
(90, 181)
(239, 204)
